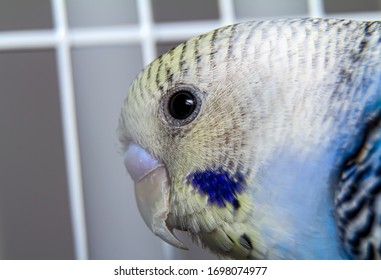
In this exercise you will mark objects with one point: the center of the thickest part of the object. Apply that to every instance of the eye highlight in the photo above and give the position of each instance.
(181, 105)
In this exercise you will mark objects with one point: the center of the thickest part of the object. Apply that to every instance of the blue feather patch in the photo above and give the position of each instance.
(219, 185)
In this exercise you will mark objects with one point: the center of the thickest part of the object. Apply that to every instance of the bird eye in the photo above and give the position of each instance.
(181, 105)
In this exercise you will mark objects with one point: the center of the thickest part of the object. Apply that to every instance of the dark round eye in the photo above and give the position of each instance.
(182, 104)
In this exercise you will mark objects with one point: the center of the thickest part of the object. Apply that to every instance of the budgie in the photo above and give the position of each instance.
(262, 140)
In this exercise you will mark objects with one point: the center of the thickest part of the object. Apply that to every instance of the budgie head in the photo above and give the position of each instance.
(197, 127)
(203, 125)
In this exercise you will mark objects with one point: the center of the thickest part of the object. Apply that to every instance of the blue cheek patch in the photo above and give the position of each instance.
(219, 185)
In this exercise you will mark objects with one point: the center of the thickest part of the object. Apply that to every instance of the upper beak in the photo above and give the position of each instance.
(152, 190)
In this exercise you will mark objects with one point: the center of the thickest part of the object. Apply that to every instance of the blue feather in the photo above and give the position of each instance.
(219, 185)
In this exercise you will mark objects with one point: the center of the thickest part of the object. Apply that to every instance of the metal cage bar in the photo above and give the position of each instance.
(70, 131)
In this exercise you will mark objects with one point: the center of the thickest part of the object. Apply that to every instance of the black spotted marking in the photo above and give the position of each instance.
(245, 242)
(236, 204)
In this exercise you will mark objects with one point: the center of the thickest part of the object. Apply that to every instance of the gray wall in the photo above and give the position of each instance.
(34, 213)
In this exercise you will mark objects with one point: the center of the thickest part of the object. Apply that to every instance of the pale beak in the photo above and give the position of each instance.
(152, 191)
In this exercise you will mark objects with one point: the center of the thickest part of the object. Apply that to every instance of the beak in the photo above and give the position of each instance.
(152, 192)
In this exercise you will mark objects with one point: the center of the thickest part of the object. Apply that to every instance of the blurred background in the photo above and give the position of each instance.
(65, 67)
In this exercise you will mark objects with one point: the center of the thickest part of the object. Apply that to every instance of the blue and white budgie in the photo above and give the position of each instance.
(262, 140)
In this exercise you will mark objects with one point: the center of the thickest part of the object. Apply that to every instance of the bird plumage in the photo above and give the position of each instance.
(357, 197)
(277, 109)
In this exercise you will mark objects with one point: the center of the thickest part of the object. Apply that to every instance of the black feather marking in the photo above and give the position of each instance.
(231, 41)
(367, 227)
(231, 239)
(247, 44)
(355, 251)
(213, 50)
(370, 252)
(236, 204)
(372, 125)
(157, 79)
(169, 75)
(149, 70)
(376, 188)
(361, 189)
(353, 188)
(349, 170)
(196, 56)
(351, 213)
(245, 242)
(341, 231)
(182, 62)
(141, 87)
(360, 234)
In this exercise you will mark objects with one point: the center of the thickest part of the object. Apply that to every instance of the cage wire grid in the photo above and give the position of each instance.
(62, 39)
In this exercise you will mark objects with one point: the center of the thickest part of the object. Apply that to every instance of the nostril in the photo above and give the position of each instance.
(139, 162)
